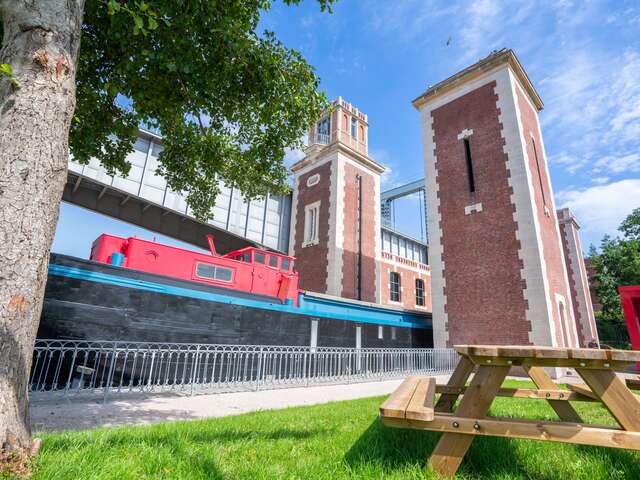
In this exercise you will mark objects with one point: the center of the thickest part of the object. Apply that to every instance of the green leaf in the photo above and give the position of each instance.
(6, 69)
(152, 23)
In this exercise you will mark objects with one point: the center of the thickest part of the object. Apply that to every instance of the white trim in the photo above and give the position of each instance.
(434, 232)
(466, 133)
(531, 253)
(469, 209)
(311, 224)
(313, 179)
(336, 227)
(293, 219)
(579, 277)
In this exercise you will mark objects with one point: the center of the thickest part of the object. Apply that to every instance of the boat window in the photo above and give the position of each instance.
(213, 272)
(285, 264)
(245, 257)
(258, 257)
(273, 261)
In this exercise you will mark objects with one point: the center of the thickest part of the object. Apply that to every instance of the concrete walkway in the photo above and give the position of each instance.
(128, 409)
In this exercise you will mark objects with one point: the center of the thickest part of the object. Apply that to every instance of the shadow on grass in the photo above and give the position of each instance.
(393, 449)
(397, 448)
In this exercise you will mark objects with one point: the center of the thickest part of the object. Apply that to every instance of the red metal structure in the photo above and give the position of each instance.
(630, 297)
(249, 269)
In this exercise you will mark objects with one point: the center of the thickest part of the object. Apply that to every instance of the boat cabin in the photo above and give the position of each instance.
(249, 269)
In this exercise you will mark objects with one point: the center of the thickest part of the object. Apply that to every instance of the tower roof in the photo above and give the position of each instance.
(494, 60)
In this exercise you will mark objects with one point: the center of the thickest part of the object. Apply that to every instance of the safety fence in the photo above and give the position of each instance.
(73, 367)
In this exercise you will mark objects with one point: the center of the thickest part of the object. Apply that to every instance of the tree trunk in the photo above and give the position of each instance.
(41, 43)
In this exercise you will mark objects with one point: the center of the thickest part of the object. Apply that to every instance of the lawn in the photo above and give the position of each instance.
(333, 441)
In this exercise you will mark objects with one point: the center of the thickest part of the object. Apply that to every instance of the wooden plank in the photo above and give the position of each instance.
(551, 362)
(583, 389)
(530, 393)
(563, 409)
(588, 354)
(619, 400)
(396, 404)
(563, 432)
(633, 384)
(479, 396)
(421, 404)
(631, 356)
(458, 378)
(528, 351)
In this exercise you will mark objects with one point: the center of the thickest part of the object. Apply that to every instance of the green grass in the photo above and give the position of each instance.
(333, 441)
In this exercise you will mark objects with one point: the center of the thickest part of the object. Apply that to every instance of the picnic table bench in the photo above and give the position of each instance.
(413, 404)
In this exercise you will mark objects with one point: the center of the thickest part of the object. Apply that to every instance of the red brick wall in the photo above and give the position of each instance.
(368, 234)
(408, 283)
(484, 289)
(312, 260)
(553, 256)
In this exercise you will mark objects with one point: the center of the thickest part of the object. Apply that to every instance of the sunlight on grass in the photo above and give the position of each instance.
(332, 441)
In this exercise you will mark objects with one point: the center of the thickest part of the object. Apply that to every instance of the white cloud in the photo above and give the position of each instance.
(622, 164)
(292, 155)
(600, 209)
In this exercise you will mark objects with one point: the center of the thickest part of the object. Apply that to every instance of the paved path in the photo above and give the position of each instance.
(77, 414)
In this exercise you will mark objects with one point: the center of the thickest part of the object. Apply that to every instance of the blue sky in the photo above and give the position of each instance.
(582, 57)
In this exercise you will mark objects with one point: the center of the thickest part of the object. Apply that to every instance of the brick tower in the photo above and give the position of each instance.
(335, 221)
(498, 272)
(578, 280)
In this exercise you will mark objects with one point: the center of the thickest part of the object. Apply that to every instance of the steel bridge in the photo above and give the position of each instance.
(388, 197)
(143, 198)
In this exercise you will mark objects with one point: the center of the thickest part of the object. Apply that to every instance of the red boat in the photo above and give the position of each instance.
(249, 269)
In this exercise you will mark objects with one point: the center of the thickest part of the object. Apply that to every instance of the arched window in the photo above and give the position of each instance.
(361, 133)
(345, 121)
(354, 123)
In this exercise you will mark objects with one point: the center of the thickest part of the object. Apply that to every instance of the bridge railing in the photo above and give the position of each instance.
(74, 367)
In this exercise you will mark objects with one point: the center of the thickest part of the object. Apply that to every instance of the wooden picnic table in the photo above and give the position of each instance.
(412, 405)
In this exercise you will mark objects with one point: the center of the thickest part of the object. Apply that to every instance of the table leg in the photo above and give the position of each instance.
(475, 403)
(615, 395)
(563, 409)
(458, 378)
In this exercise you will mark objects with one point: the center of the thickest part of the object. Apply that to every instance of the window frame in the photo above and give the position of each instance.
(420, 300)
(215, 267)
(354, 127)
(311, 235)
(395, 294)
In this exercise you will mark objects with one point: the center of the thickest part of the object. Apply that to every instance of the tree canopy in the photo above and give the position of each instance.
(227, 99)
(617, 263)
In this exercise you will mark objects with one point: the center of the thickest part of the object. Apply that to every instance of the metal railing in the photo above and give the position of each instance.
(72, 367)
(322, 138)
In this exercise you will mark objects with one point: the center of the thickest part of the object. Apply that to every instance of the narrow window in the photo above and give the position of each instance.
(380, 332)
(285, 264)
(535, 155)
(361, 133)
(323, 129)
(311, 224)
(354, 127)
(419, 292)
(467, 154)
(393, 333)
(394, 286)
